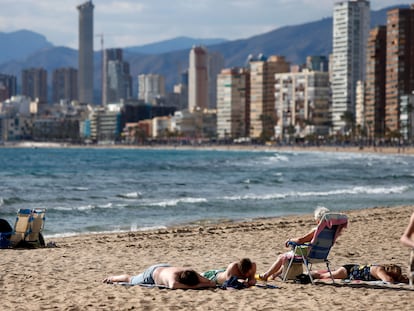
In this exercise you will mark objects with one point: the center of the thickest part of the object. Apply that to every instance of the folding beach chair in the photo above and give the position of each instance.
(411, 269)
(318, 250)
(28, 227)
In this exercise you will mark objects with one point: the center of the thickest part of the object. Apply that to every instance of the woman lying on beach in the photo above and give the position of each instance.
(277, 267)
(388, 273)
(164, 275)
(243, 269)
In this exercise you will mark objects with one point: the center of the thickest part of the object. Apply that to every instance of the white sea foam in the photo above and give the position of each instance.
(175, 202)
(353, 190)
(131, 195)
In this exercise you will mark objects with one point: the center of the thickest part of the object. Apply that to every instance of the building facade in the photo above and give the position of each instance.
(215, 64)
(34, 84)
(64, 84)
(85, 58)
(374, 118)
(351, 24)
(399, 64)
(198, 79)
(303, 102)
(8, 86)
(262, 94)
(233, 103)
(150, 86)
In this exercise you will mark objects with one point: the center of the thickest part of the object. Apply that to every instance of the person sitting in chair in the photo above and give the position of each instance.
(165, 275)
(387, 272)
(243, 269)
(277, 267)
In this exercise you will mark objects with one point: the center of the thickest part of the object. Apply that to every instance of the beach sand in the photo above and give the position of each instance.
(69, 277)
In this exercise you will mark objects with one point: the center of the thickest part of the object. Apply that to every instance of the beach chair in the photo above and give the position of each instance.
(28, 227)
(317, 251)
(411, 269)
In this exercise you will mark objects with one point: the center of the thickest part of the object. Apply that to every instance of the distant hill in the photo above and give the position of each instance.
(176, 44)
(18, 45)
(294, 42)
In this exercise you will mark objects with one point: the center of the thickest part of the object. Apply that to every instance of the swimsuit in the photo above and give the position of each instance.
(212, 274)
(357, 272)
(146, 277)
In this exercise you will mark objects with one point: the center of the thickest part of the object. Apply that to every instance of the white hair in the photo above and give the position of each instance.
(320, 211)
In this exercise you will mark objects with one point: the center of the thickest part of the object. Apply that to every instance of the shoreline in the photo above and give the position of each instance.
(404, 150)
(69, 277)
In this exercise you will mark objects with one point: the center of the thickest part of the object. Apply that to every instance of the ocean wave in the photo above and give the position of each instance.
(353, 190)
(130, 195)
(175, 202)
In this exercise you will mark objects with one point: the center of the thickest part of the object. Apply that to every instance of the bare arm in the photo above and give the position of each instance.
(203, 283)
(251, 280)
(379, 273)
(407, 237)
(303, 239)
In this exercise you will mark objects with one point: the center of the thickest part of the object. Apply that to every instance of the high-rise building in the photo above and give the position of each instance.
(215, 65)
(8, 86)
(262, 94)
(302, 103)
(317, 63)
(198, 79)
(65, 84)
(108, 55)
(233, 103)
(85, 64)
(150, 86)
(119, 81)
(399, 64)
(374, 112)
(351, 24)
(34, 84)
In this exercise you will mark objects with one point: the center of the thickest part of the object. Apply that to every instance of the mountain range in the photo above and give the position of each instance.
(25, 49)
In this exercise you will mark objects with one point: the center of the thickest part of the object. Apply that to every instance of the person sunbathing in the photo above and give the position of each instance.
(277, 267)
(387, 272)
(165, 275)
(243, 269)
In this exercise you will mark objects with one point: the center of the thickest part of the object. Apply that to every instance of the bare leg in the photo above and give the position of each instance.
(337, 274)
(275, 268)
(118, 278)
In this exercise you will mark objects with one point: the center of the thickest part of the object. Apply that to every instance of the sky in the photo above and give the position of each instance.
(125, 23)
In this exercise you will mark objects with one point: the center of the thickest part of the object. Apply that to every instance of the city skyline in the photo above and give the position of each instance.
(128, 23)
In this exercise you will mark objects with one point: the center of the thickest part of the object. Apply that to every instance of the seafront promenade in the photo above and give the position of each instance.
(408, 150)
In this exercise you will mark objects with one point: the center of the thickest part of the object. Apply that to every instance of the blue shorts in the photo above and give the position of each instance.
(146, 276)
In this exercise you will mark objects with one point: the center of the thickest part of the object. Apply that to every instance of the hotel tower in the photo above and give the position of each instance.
(85, 58)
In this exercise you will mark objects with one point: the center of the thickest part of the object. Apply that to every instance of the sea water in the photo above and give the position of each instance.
(89, 190)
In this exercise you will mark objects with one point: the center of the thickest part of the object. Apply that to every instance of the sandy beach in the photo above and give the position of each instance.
(69, 277)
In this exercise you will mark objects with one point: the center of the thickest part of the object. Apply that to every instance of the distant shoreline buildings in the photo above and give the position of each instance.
(362, 93)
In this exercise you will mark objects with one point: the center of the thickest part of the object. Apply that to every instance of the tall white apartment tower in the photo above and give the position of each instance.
(198, 79)
(351, 25)
(150, 86)
(85, 58)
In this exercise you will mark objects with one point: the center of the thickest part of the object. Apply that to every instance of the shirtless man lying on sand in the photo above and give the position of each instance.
(165, 275)
(243, 269)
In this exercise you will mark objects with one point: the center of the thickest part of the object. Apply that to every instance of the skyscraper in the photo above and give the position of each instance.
(233, 103)
(34, 84)
(351, 22)
(109, 55)
(198, 79)
(400, 64)
(375, 82)
(262, 94)
(65, 84)
(150, 86)
(8, 86)
(85, 70)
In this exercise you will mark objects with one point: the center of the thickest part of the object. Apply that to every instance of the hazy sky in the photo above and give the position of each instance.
(137, 22)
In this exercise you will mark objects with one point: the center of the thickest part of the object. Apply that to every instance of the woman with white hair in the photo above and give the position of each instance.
(277, 267)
